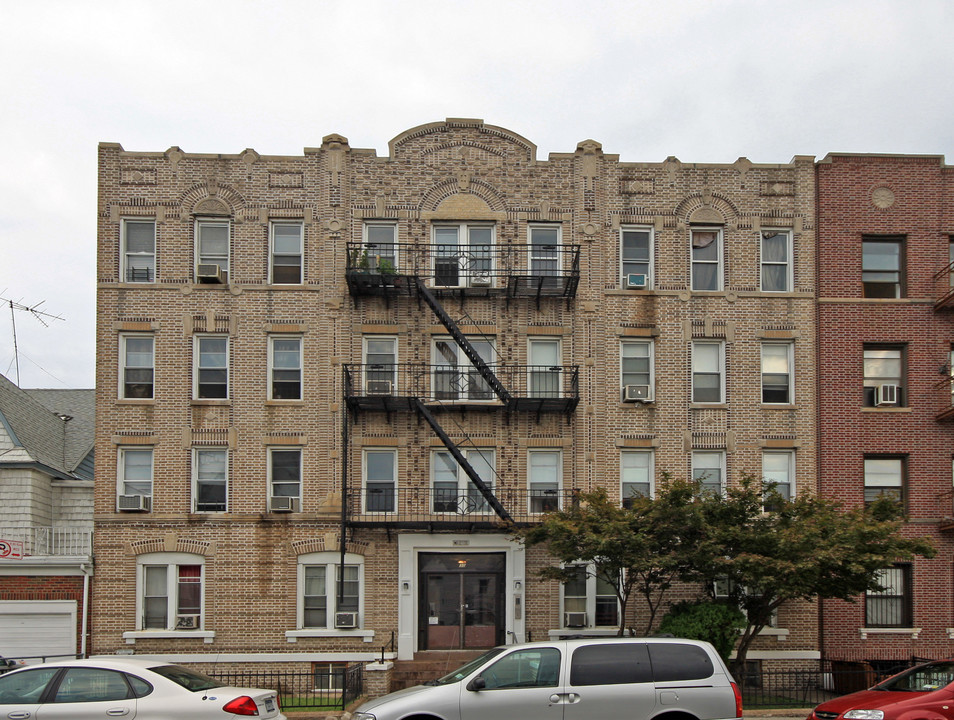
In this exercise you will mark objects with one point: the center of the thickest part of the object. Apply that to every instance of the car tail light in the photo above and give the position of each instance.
(738, 700)
(241, 706)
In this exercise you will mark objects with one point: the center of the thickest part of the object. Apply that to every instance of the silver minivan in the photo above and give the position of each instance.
(579, 679)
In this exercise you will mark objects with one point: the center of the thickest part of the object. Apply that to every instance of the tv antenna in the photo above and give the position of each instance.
(41, 315)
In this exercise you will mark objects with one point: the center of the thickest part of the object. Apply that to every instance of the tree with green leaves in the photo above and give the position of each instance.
(640, 548)
(769, 549)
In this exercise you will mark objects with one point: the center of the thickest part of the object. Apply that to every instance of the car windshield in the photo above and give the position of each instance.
(922, 678)
(465, 670)
(189, 679)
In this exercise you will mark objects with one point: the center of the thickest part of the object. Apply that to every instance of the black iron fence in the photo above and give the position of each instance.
(807, 687)
(326, 688)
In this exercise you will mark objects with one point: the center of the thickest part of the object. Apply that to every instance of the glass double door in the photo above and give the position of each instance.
(461, 604)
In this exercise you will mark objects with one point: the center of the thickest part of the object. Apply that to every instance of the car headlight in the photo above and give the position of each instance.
(864, 715)
(362, 716)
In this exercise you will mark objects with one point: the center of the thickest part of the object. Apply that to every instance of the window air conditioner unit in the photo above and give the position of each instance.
(636, 281)
(574, 619)
(636, 393)
(209, 273)
(282, 503)
(187, 622)
(379, 387)
(135, 503)
(346, 619)
(480, 280)
(886, 395)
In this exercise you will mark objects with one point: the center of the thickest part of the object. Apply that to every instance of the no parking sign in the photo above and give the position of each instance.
(11, 549)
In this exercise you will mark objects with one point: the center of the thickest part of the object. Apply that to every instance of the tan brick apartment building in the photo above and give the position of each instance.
(886, 333)
(413, 348)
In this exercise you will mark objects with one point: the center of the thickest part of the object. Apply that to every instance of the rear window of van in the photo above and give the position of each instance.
(610, 664)
(676, 661)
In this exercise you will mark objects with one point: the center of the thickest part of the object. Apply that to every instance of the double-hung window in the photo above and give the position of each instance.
(544, 261)
(708, 470)
(545, 369)
(454, 376)
(777, 373)
(330, 595)
(380, 480)
(636, 369)
(285, 473)
(212, 249)
(708, 371)
(211, 371)
(589, 598)
(138, 366)
(706, 258)
(139, 250)
(170, 591)
(545, 480)
(636, 253)
(210, 473)
(286, 252)
(135, 473)
(884, 476)
(891, 605)
(882, 265)
(884, 376)
(379, 253)
(453, 490)
(463, 255)
(776, 261)
(636, 474)
(380, 365)
(284, 365)
(778, 470)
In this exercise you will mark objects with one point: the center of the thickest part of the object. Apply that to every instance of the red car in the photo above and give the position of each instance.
(924, 692)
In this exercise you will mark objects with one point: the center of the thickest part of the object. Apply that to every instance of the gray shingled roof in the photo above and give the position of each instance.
(34, 417)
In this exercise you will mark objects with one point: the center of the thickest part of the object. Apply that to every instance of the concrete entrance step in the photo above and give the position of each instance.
(428, 665)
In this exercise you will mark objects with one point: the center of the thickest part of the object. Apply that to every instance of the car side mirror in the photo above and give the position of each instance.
(478, 683)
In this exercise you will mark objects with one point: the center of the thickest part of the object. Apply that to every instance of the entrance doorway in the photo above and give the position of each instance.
(461, 601)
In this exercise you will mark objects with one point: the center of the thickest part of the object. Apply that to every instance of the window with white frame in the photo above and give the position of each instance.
(287, 241)
(708, 372)
(463, 255)
(453, 490)
(589, 598)
(884, 476)
(284, 367)
(884, 374)
(379, 253)
(324, 591)
(454, 377)
(137, 357)
(776, 254)
(210, 474)
(544, 261)
(380, 480)
(380, 365)
(212, 248)
(706, 258)
(170, 591)
(135, 471)
(545, 368)
(139, 250)
(777, 373)
(891, 604)
(708, 470)
(284, 476)
(778, 470)
(636, 369)
(545, 480)
(636, 475)
(211, 372)
(636, 257)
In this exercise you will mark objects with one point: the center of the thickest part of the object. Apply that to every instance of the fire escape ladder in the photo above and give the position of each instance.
(448, 322)
(481, 486)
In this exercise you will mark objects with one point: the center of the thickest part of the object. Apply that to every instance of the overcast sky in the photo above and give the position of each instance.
(704, 81)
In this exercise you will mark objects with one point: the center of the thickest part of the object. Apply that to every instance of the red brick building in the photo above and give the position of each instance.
(885, 333)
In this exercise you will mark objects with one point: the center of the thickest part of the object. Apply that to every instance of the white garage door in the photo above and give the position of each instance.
(32, 628)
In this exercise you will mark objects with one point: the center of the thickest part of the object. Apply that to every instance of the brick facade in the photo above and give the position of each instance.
(446, 173)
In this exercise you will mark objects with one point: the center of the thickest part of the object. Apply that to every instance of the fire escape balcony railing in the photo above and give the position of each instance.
(532, 388)
(944, 392)
(435, 508)
(944, 287)
(46, 541)
(530, 270)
